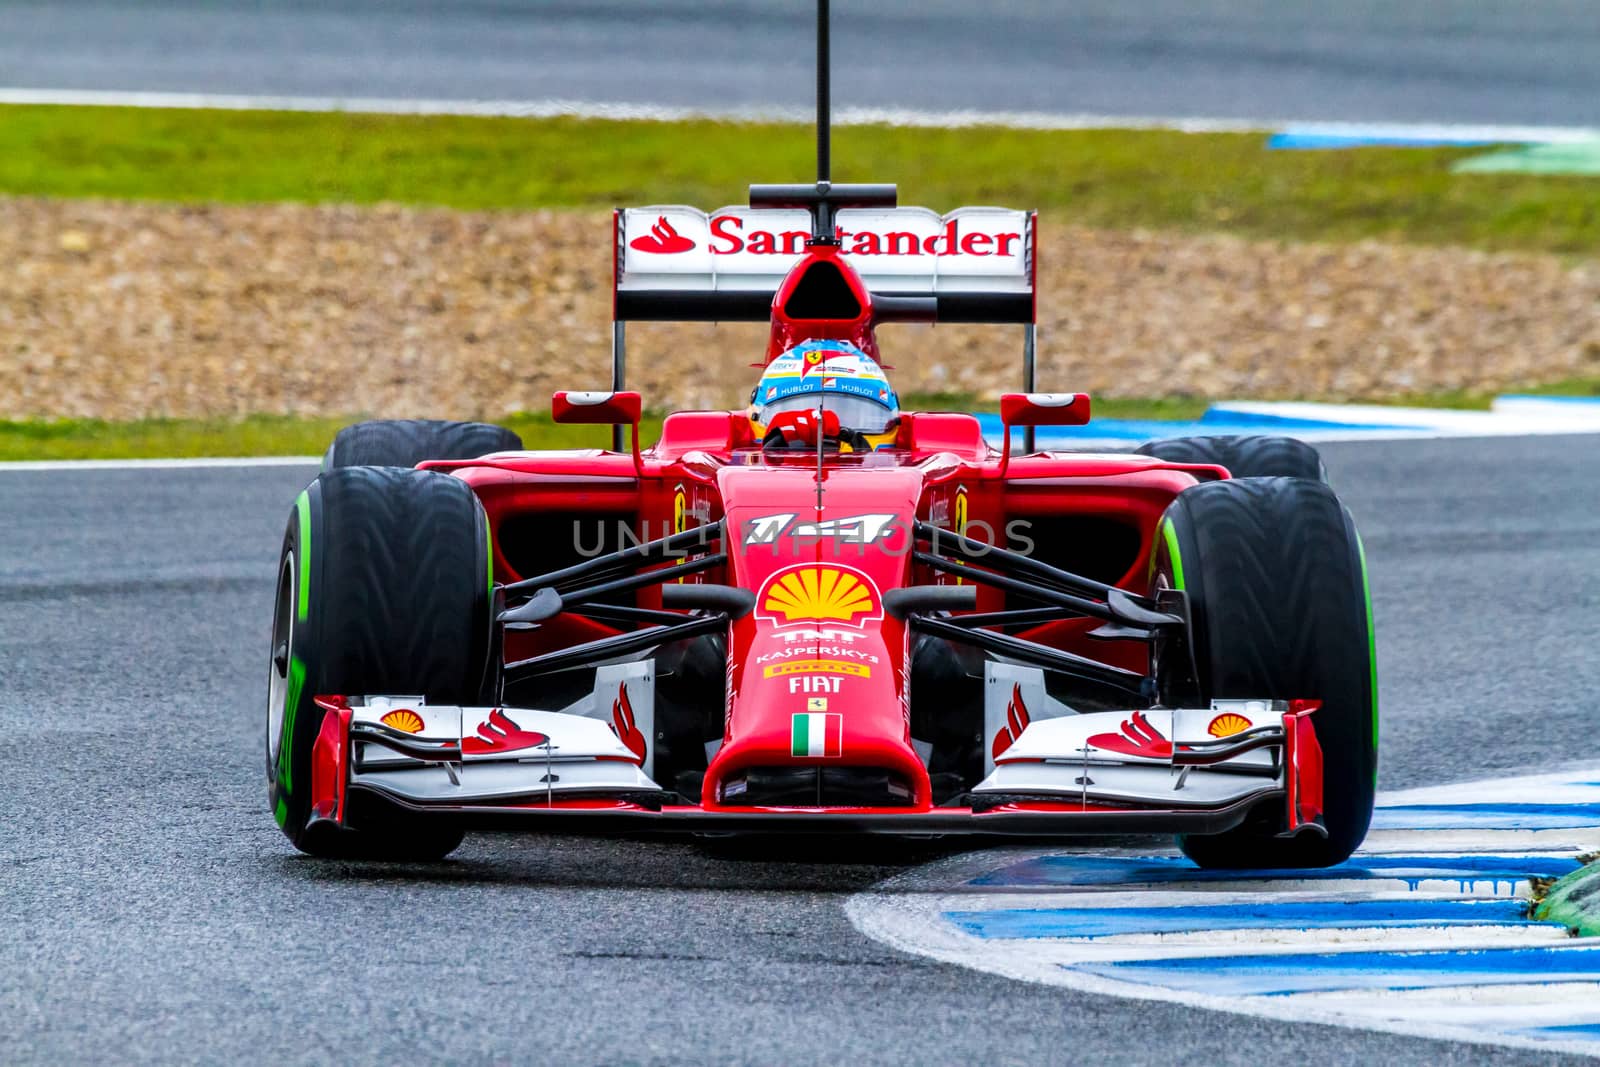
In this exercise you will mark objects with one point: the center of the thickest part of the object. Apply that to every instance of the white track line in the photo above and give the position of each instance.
(914, 924)
(912, 912)
(157, 464)
(559, 108)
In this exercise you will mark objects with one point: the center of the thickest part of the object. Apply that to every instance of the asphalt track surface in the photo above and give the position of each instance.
(151, 911)
(1471, 61)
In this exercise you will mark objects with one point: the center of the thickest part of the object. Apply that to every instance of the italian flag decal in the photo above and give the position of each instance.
(817, 735)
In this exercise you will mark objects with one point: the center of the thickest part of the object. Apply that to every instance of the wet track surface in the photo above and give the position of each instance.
(1484, 61)
(150, 910)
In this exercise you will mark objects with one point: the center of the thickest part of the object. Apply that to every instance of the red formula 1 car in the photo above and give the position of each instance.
(714, 635)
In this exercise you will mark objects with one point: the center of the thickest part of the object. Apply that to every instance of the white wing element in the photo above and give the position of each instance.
(598, 744)
(1038, 745)
(972, 249)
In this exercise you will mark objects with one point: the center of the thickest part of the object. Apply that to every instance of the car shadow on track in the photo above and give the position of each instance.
(746, 863)
(758, 863)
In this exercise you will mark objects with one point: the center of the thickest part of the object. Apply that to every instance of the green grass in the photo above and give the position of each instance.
(1110, 407)
(280, 435)
(1568, 387)
(1105, 178)
(1108, 178)
(285, 435)
(257, 435)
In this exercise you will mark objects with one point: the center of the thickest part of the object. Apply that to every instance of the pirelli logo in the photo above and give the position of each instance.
(817, 666)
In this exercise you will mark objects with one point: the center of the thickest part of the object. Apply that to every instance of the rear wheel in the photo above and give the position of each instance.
(383, 588)
(1249, 456)
(1276, 578)
(407, 442)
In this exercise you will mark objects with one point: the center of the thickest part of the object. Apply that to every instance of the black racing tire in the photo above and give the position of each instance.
(1248, 456)
(1277, 584)
(947, 713)
(407, 442)
(383, 588)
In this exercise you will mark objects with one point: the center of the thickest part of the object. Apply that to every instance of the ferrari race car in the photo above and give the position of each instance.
(715, 635)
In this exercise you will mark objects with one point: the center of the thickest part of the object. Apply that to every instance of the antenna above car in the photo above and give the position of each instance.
(824, 105)
(824, 199)
(821, 230)
(729, 278)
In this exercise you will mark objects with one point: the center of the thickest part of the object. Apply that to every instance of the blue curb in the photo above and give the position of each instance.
(1156, 870)
(1277, 975)
(1214, 423)
(1486, 817)
(1289, 139)
(1269, 915)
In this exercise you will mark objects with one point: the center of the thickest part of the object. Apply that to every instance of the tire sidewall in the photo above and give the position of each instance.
(289, 775)
(1348, 734)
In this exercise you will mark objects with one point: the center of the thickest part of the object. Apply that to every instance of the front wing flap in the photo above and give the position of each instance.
(1152, 771)
(1184, 757)
(447, 755)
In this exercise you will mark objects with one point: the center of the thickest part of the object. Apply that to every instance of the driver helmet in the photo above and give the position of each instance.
(832, 374)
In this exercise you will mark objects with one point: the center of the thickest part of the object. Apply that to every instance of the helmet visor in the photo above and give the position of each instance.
(855, 412)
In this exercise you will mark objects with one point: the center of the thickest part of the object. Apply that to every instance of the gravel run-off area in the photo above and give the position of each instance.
(127, 310)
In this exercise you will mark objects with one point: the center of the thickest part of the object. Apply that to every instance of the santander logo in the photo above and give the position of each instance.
(624, 725)
(728, 236)
(1138, 738)
(1017, 720)
(662, 239)
(500, 733)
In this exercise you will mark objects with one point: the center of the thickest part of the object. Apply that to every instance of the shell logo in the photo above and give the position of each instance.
(811, 592)
(1227, 724)
(403, 719)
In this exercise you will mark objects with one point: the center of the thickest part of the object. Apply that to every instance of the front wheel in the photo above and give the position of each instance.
(383, 588)
(1277, 585)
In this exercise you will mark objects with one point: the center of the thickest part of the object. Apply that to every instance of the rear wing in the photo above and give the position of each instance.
(680, 264)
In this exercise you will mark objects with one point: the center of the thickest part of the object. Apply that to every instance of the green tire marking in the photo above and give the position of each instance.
(1169, 533)
(1574, 901)
(281, 812)
(488, 544)
(1372, 644)
(291, 703)
(302, 505)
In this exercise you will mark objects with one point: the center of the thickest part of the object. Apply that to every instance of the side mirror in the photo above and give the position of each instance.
(1044, 409)
(597, 408)
(1039, 409)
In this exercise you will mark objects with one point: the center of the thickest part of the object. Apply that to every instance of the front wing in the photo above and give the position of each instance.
(1200, 771)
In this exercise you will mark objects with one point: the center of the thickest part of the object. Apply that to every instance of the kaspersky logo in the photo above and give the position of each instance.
(818, 593)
